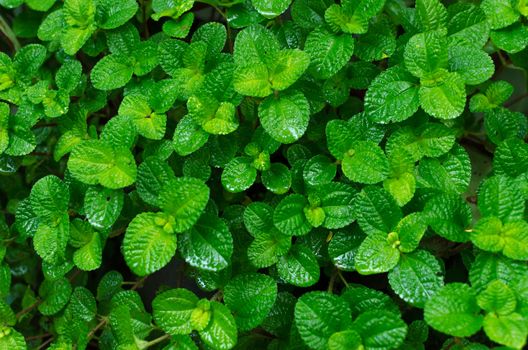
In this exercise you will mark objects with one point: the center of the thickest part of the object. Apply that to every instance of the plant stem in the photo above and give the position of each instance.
(342, 278)
(28, 309)
(157, 340)
(9, 34)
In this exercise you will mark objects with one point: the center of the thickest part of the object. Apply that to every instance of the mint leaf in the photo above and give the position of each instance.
(318, 315)
(208, 245)
(172, 310)
(417, 277)
(328, 52)
(250, 297)
(454, 310)
(285, 117)
(150, 242)
(184, 199)
(392, 96)
(299, 267)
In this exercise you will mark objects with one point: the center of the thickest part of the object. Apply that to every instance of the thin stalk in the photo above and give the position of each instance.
(9, 34)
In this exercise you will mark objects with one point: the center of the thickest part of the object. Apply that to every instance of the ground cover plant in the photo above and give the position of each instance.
(263, 174)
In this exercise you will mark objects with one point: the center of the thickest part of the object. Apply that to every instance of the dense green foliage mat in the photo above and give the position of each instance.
(263, 174)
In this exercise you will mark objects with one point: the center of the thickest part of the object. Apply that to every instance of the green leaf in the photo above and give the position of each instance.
(103, 206)
(50, 240)
(453, 310)
(467, 23)
(443, 97)
(149, 243)
(208, 245)
(449, 216)
(328, 52)
(488, 267)
(269, 245)
(376, 211)
(188, 136)
(511, 238)
(252, 80)
(172, 310)
(258, 218)
(353, 16)
(96, 161)
(4, 124)
(429, 139)
(309, 14)
(289, 216)
(82, 304)
(112, 72)
(111, 15)
(287, 67)
(510, 330)
(410, 231)
(109, 285)
(299, 267)
(474, 65)
(148, 123)
(431, 15)
(343, 247)
(376, 254)
(286, 116)
(277, 178)
(392, 96)
(511, 39)
(74, 38)
(318, 315)
(49, 199)
(221, 333)
(497, 298)
(500, 13)
(153, 174)
(501, 123)
(417, 277)
(380, 329)
(365, 163)
(184, 199)
(271, 9)
(337, 203)
(168, 8)
(69, 75)
(28, 60)
(511, 157)
(348, 339)
(250, 297)
(498, 196)
(426, 53)
(319, 170)
(55, 295)
(450, 173)
(89, 256)
(13, 340)
(362, 299)
(239, 174)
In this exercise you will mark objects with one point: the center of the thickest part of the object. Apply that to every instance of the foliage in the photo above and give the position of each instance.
(228, 174)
